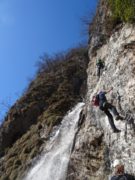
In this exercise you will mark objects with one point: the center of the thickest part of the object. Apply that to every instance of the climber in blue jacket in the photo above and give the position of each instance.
(119, 172)
(105, 106)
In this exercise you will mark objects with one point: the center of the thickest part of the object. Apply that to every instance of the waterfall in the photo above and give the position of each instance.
(54, 163)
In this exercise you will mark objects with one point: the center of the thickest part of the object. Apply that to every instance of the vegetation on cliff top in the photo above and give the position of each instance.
(123, 10)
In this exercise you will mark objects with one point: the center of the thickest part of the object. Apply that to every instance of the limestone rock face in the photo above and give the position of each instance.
(98, 30)
(96, 145)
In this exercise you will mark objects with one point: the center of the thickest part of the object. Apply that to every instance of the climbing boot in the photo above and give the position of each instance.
(119, 118)
(116, 131)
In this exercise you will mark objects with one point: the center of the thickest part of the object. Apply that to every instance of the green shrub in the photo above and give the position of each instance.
(123, 10)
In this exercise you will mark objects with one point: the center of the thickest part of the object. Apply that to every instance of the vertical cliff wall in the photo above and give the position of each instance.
(96, 145)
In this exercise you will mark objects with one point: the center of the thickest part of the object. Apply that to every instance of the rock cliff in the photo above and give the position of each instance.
(96, 146)
(31, 120)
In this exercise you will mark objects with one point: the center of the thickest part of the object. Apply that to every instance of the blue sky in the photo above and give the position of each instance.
(30, 28)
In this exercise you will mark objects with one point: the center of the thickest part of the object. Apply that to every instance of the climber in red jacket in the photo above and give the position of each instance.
(101, 101)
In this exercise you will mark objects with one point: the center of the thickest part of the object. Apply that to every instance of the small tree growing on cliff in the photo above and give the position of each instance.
(5, 105)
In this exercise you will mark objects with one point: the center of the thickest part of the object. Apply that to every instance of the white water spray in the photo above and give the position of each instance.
(53, 165)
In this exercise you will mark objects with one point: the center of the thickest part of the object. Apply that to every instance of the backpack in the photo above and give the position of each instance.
(95, 100)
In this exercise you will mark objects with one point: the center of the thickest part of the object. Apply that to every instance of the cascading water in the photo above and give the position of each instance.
(53, 164)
